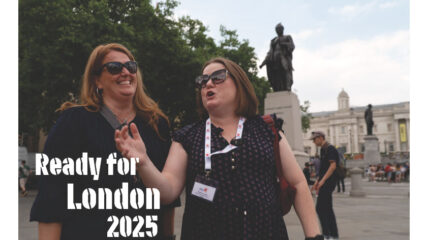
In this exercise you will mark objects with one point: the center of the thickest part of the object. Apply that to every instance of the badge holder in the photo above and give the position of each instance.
(205, 187)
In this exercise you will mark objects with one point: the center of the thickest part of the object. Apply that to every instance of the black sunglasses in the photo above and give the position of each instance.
(116, 67)
(217, 77)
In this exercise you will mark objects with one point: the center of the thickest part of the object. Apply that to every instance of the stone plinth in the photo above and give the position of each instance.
(286, 105)
(356, 183)
(371, 150)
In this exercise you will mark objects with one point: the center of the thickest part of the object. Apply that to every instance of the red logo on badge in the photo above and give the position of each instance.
(205, 189)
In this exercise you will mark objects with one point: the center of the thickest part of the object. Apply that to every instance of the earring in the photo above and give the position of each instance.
(99, 92)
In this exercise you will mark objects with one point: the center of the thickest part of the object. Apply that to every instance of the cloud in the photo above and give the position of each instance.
(388, 4)
(357, 9)
(305, 34)
(353, 10)
(371, 71)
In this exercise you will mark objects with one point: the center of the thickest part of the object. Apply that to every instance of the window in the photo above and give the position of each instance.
(361, 129)
(389, 127)
(362, 147)
(343, 130)
(391, 146)
(375, 128)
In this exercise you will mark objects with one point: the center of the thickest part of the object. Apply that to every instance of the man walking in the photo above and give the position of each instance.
(325, 184)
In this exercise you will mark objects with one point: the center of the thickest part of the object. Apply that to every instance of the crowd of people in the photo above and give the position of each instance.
(396, 172)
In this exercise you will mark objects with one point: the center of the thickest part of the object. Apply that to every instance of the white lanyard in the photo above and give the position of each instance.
(228, 148)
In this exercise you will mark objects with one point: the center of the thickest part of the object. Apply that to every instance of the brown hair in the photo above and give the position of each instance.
(146, 108)
(247, 102)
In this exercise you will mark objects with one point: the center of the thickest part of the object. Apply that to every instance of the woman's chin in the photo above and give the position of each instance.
(212, 107)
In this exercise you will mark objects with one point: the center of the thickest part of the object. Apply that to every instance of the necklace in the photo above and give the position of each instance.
(129, 118)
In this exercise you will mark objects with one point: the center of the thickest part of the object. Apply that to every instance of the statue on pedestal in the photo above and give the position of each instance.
(278, 61)
(368, 116)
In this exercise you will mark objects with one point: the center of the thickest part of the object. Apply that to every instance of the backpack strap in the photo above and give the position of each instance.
(269, 120)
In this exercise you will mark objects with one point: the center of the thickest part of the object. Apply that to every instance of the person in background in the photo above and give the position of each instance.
(316, 163)
(388, 171)
(307, 173)
(407, 174)
(341, 174)
(393, 173)
(24, 172)
(372, 173)
(398, 173)
(325, 185)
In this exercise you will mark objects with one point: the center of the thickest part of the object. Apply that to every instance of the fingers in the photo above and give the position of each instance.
(134, 131)
(118, 140)
(124, 132)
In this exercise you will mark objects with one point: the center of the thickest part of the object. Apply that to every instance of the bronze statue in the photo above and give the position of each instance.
(368, 116)
(278, 61)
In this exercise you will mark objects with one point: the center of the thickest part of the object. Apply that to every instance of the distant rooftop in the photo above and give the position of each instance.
(358, 109)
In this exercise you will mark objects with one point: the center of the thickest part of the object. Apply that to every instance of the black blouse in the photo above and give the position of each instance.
(78, 130)
(246, 203)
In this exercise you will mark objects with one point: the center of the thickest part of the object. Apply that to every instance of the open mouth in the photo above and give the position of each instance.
(210, 93)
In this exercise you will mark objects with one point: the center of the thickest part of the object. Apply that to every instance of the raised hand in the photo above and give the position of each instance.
(131, 147)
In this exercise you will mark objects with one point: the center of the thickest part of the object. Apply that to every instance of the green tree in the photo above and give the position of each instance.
(57, 36)
(306, 116)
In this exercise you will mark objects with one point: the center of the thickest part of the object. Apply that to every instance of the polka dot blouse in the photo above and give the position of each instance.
(246, 202)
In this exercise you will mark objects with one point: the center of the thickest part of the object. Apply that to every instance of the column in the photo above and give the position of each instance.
(350, 136)
(397, 136)
(356, 149)
(332, 134)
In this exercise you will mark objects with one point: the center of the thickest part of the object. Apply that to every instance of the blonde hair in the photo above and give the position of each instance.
(146, 108)
(247, 102)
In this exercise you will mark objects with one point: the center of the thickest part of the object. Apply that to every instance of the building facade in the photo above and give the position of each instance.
(346, 127)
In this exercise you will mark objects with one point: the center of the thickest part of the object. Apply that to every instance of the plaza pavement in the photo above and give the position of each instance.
(382, 214)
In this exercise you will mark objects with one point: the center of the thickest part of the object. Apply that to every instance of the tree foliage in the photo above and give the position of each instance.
(57, 36)
(306, 116)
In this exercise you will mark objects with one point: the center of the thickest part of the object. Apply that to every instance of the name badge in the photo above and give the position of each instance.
(204, 188)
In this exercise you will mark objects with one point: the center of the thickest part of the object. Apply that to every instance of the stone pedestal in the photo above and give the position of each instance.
(286, 105)
(371, 150)
(356, 183)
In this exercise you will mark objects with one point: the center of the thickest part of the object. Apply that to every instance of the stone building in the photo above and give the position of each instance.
(346, 127)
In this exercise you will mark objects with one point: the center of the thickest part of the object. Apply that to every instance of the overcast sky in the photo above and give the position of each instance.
(360, 46)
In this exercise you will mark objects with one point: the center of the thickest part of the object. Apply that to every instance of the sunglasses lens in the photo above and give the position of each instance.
(201, 81)
(218, 77)
(114, 67)
(131, 66)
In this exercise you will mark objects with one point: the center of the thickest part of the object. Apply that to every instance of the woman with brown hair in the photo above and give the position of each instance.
(226, 164)
(112, 96)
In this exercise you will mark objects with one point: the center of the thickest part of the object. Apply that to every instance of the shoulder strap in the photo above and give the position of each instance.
(111, 118)
(269, 120)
